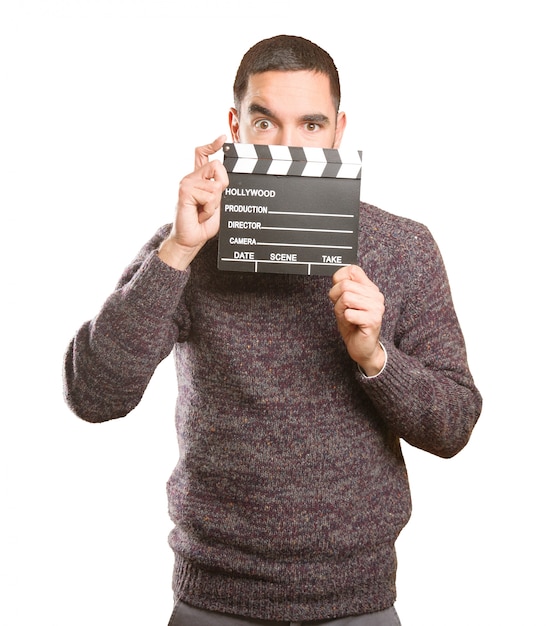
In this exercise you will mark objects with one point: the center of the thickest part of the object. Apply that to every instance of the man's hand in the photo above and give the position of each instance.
(359, 308)
(197, 216)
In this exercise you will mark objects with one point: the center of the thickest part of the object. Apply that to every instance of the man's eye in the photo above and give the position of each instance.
(263, 124)
(312, 127)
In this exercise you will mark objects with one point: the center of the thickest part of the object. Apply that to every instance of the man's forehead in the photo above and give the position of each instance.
(285, 76)
(285, 86)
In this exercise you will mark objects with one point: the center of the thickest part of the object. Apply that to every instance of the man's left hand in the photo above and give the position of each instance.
(359, 307)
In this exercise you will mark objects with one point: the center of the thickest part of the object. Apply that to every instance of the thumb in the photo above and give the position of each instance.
(203, 152)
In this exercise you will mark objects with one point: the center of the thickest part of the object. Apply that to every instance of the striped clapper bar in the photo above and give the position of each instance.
(289, 210)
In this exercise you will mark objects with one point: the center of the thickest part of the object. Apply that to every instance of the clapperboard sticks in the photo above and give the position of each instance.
(290, 161)
(289, 210)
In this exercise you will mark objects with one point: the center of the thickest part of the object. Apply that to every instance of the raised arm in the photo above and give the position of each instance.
(112, 357)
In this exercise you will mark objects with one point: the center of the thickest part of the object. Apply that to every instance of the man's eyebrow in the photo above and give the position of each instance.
(258, 108)
(319, 118)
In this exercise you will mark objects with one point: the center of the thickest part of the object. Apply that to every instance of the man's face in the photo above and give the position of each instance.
(290, 109)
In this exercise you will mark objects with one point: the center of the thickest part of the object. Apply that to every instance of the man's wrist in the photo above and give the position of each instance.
(175, 255)
(376, 364)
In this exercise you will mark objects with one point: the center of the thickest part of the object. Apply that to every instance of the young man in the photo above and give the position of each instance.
(294, 391)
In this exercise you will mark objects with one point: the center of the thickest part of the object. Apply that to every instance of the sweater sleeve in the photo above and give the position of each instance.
(426, 393)
(112, 357)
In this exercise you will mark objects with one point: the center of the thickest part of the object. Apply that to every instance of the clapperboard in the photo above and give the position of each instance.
(289, 210)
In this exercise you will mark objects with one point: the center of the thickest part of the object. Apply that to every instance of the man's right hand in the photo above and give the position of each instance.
(197, 216)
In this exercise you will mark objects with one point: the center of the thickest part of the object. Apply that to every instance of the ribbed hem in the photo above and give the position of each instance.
(348, 591)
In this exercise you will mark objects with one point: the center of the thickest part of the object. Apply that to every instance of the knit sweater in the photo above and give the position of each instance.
(290, 489)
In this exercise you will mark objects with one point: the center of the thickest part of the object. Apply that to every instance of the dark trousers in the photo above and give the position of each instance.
(186, 615)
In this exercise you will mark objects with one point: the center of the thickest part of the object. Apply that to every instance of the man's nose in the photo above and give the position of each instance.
(287, 137)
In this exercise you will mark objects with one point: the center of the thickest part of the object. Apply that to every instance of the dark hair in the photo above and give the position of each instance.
(285, 53)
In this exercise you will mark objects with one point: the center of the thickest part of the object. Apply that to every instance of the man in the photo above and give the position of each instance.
(293, 391)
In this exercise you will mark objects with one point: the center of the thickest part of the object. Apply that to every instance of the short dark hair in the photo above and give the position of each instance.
(285, 53)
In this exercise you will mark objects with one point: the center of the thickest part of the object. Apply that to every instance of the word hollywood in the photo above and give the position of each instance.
(265, 193)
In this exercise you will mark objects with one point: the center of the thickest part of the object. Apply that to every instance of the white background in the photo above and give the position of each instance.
(101, 106)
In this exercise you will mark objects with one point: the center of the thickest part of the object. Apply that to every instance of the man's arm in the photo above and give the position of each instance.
(425, 393)
(112, 358)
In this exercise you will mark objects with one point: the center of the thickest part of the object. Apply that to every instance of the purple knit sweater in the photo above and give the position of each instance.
(290, 489)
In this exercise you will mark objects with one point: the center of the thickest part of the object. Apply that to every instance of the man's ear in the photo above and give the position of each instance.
(339, 129)
(234, 125)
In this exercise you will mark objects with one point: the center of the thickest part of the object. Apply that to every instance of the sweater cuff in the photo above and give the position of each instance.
(156, 287)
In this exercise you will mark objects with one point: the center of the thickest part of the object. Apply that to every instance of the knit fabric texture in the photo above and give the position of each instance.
(290, 489)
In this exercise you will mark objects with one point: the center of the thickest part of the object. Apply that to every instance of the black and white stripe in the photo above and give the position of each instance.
(247, 158)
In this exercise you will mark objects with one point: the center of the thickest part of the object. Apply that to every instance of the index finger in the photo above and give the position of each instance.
(351, 272)
(203, 152)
